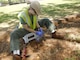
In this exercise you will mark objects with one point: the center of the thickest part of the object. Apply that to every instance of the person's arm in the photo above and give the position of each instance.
(38, 26)
(25, 26)
(43, 28)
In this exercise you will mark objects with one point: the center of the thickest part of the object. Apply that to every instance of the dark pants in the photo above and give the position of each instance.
(19, 33)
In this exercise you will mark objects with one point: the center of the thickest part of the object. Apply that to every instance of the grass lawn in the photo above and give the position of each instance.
(51, 8)
(10, 12)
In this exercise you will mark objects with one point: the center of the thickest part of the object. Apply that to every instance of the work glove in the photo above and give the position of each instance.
(39, 34)
(42, 32)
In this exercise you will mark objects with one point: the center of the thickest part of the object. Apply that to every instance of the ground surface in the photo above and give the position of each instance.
(50, 49)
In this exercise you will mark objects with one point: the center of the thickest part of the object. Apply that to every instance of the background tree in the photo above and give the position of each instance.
(10, 3)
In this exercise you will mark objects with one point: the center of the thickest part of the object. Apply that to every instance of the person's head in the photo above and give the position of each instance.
(35, 8)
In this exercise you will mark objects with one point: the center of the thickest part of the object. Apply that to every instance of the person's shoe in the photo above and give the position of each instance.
(16, 57)
(57, 36)
(53, 35)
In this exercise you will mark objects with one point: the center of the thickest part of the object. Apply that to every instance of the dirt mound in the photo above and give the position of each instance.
(50, 49)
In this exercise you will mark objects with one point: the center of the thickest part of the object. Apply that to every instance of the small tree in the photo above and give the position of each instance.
(24, 1)
(10, 3)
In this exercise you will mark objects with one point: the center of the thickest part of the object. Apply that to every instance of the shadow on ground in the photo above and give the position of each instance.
(7, 17)
(61, 9)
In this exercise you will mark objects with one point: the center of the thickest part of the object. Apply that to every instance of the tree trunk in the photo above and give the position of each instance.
(24, 1)
(20, 1)
(10, 3)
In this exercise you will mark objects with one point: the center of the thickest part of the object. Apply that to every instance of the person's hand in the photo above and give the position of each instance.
(42, 32)
(39, 33)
